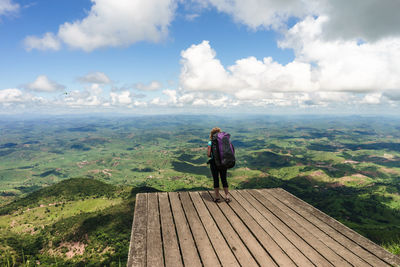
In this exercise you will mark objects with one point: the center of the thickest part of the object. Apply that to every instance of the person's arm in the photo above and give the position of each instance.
(209, 151)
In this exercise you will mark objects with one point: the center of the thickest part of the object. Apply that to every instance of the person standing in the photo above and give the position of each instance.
(217, 173)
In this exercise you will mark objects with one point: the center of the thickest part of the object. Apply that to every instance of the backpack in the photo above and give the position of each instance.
(223, 150)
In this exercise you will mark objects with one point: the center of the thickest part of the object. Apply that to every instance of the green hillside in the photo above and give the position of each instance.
(348, 167)
(66, 190)
(75, 222)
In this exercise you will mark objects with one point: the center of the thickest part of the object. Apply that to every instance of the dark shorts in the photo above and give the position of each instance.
(218, 173)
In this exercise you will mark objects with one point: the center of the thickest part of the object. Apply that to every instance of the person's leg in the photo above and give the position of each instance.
(216, 192)
(223, 174)
(214, 173)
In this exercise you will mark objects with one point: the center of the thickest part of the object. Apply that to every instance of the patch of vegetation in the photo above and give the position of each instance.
(70, 189)
(147, 169)
(82, 129)
(348, 167)
(28, 189)
(8, 145)
(102, 234)
(194, 159)
(189, 168)
(80, 147)
(266, 159)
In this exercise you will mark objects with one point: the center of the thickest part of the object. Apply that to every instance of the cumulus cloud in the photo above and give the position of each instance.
(91, 97)
(345, 65)
(262, 13)
(201, 70)
(11, 96)
(373, 98)
(95, 77)
(8, 6)
(112, 23)
(319, 66)
(370, 20)
(152, 86)
(47, 42)
(180, 98)
(43, 84)
(248, 78)
(122, 98)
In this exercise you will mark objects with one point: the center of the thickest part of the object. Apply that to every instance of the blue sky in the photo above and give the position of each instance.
(158, 56)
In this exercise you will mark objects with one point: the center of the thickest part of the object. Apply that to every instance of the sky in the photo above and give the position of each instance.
(199, 56)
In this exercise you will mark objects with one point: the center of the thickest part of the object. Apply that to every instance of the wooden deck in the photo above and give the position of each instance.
(268, 227)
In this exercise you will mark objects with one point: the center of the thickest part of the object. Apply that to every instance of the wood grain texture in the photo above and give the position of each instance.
(154, 241)
(236, 245)
(260, 227)
(354, 236)
(274, 235)
(137, 249)
(172, 255)
(190, 254)
(206, 250)
(222, 249)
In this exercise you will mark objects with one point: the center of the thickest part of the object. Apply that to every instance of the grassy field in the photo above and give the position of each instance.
(349, 167)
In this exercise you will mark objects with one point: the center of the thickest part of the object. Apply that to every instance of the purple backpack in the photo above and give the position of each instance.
(223, 151)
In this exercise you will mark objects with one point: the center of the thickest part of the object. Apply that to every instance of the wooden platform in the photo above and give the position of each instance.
(268, 227)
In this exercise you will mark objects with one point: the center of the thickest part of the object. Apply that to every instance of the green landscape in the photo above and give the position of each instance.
(68, 183)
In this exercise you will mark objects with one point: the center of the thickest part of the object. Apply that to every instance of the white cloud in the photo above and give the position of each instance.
(201, 70)
(262, 13)
(179, 98)
(172, 94)
(95, 77)
(345, 65)
(323, 74)
(319, 66)
(249, 78)
(113, 23)
(373, 98)
(43, 84)
(122, 98)
(78, 99)
(8, 6)
(48, 42)
(11, 96)
(191, 17)
(152, 86)
(370, 20)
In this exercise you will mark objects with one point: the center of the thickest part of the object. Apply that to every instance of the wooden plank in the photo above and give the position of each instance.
(292, 236)
(238, 248)
(315, 231)
(324, 250)
(172, 255)
(222, 249)
(137, 248)
(298, 258)
(333, 233)
(274, 251)
(154, 242)
(186, 243)
(255, 248)
(206, 251)
(359, 239)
